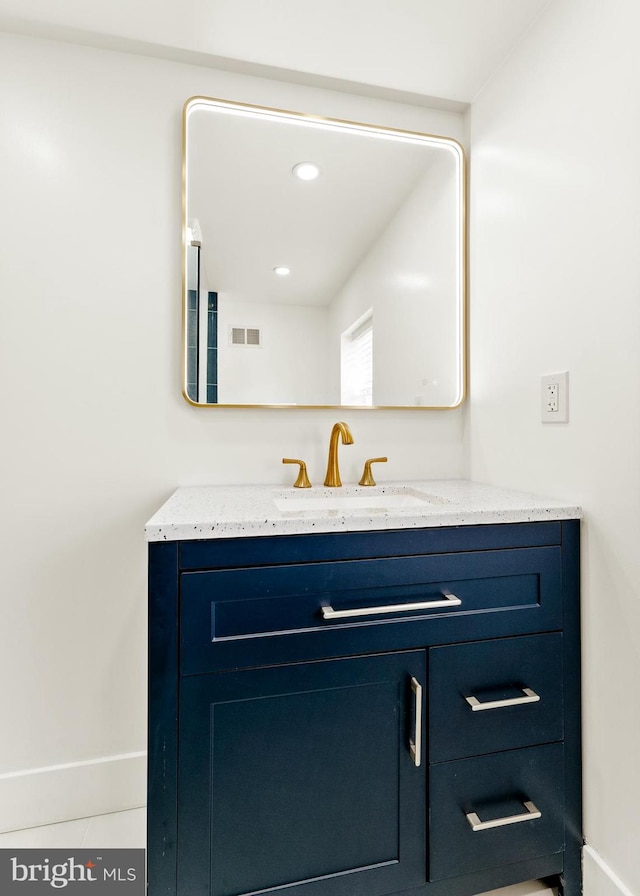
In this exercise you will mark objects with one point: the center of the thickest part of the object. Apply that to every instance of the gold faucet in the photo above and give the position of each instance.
(332, 479)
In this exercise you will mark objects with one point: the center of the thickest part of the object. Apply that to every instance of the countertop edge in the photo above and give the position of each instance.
(257, 526)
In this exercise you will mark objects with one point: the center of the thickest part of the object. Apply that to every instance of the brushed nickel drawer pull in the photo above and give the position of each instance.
(477, 706)
(450, 600)
(477, 825)
(415, 745)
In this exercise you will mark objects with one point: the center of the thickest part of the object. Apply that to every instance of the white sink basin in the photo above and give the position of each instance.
(349, 503)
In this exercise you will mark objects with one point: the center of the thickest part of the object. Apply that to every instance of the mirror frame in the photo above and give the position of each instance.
(463, 367)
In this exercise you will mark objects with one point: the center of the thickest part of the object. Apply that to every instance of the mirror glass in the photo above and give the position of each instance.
(323, 262)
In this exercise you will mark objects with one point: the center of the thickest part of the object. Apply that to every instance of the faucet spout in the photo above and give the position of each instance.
(332, 479)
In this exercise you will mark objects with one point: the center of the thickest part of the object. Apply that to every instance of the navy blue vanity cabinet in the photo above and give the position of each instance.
(361, 714)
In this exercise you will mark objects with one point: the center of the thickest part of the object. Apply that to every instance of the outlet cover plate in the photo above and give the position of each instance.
(559, 397)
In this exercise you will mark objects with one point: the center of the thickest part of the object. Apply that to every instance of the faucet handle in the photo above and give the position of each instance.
(367, 477)
(303, 480)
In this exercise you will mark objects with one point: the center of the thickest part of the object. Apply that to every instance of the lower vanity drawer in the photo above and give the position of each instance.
(495, 810)
(494, 695)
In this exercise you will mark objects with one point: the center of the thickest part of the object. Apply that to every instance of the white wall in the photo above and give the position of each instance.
(408, 278)
(556, 285)
(289, 367)
(96, 433)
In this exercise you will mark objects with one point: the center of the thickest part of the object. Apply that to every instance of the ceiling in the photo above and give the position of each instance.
(445, 49)
(442, 48)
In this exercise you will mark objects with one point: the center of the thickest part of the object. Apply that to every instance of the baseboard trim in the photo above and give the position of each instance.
(58, 793)
(599, 878)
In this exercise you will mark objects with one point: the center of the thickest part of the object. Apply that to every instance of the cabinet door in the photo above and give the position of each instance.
(303, 775)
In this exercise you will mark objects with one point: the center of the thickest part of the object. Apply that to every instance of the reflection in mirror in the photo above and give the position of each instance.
(324, 262)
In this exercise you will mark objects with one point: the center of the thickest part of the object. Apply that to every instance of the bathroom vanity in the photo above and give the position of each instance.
(361, 699)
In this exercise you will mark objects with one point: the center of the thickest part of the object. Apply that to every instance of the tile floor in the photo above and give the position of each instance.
(128, 829)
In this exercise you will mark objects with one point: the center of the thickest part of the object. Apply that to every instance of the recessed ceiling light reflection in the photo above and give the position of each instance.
(306, 170)
(281, 271)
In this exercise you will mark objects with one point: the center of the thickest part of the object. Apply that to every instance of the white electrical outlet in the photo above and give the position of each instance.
(551, 398)
(554, 398)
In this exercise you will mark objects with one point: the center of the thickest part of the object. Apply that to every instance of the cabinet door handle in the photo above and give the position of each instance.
(477, 825)
(415, 745)
(529, 697)
(449, 600)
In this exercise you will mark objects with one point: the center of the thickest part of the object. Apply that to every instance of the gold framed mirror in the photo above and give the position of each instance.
(324, 262)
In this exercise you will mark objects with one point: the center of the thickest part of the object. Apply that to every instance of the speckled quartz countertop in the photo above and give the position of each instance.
(217, 511)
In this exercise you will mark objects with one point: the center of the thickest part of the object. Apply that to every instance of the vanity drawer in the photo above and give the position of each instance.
(271, 614)
(514, 799)
(495, 695)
